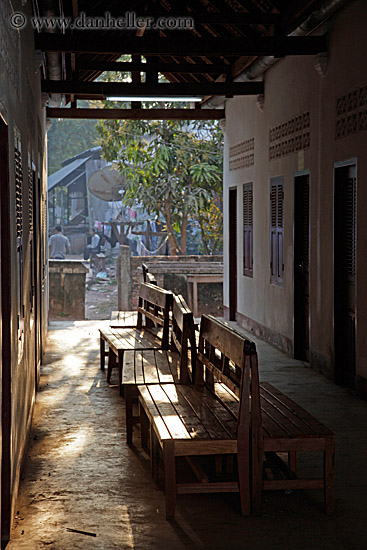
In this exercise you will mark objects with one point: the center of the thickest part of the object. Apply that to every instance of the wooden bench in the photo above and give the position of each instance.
(158, 366)
(228, 411)
(194, 421)
(280, 427)
(121, 318)
(150, 332)
(285, 427)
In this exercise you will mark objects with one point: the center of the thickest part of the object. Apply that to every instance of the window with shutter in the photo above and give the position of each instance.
(276, 230)
(18, 174)
(30, 197)
(248, 230)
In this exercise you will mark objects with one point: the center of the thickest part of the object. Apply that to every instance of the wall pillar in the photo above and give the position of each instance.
(124, 279)
(67, 288)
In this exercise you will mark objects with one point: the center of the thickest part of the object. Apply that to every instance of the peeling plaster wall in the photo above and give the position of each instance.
(293, 87)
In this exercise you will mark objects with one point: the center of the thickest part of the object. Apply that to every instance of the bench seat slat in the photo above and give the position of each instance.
(309, 420)
(161, 409)
(274, 425)
(167, 364)
(150, 367)
(132, 338)
(196, 408)
(289, 424)
(201, 414)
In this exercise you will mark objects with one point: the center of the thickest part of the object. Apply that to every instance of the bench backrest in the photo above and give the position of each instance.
(155, 304)
(148, 277)
(226, 360)
(183, 338)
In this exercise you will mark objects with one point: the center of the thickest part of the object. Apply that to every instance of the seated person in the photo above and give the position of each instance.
(93, 247)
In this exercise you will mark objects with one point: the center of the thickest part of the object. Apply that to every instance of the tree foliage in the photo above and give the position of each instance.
(67, 138)
(174, 169)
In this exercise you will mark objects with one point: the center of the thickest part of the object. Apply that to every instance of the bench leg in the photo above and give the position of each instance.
(120, 365)
(111, 364)
(154, 454)
(102, 352)
(244, 482)
(256, 476)
(129, 414)
(144, 431)
(170, 478)
(329, 458)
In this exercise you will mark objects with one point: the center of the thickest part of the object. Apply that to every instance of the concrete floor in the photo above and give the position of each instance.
(79, 473)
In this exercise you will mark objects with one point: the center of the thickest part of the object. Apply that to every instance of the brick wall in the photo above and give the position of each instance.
(168, 280)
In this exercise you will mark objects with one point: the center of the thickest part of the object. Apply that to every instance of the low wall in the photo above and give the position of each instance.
(170, 273)
(67, 288)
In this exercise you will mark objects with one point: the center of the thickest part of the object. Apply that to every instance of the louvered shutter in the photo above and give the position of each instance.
(18, 170)
(248, 230)
(350, 197)
(30, 198)
(276, 231)
(18, 175)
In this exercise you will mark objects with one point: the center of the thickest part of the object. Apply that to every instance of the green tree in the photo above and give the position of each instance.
(68, 137)
(173, 168)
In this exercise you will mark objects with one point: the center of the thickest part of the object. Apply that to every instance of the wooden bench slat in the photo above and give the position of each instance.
(160, 408)
(123, 318)
(133, 338)
(156, 318)
(196, 409)
(167, 364)
(307, 418)
(198, 406)
(150, 367)
(290, 426)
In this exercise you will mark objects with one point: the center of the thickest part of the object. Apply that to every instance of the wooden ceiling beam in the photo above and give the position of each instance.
(136, 114)
(108, 89)
(121, 66)
(116, 42)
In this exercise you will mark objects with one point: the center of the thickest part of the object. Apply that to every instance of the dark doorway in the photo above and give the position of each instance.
(232, 253)
(345, 251)
(302, 267)
(5, 312)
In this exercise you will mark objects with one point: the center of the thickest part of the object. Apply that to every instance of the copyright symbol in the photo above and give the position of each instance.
(18, 20)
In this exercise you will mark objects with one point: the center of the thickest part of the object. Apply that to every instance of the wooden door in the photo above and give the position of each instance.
(345, 251)
(301, 267)
(232, 253)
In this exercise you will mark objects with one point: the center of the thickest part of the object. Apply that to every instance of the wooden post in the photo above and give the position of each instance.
(124, 282)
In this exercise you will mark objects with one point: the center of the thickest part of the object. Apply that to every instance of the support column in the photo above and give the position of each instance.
(124, 279)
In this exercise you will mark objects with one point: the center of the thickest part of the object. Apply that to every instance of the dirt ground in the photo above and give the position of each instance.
(83, 488)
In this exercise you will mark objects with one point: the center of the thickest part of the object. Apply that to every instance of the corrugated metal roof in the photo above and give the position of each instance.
(65, 171)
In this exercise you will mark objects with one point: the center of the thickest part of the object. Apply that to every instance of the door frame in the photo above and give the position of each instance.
(301, 173)
(344, 164)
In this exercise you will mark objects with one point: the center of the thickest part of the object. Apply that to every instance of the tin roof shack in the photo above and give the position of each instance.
(71, 204)
(68, 200)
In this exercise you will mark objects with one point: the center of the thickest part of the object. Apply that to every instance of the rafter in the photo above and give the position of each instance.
(193, 68)
(136, 114)
(107, 89)
(97, 42)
